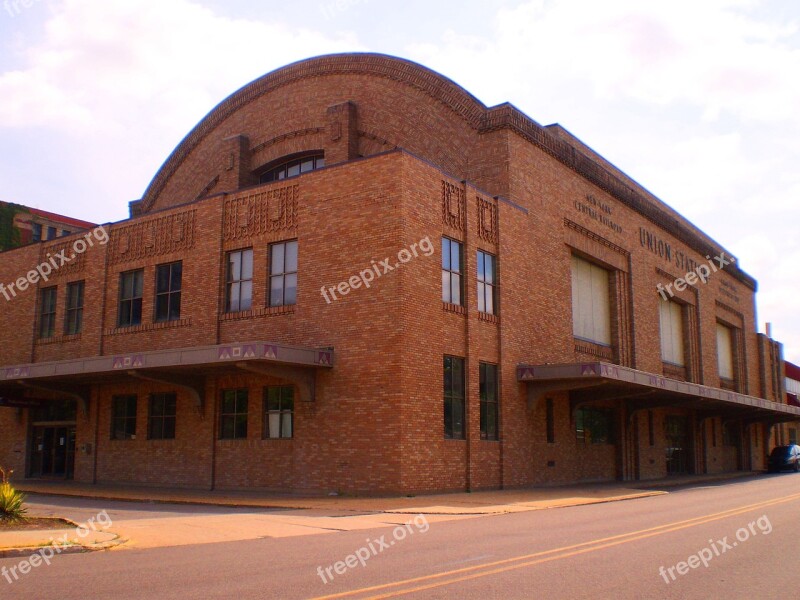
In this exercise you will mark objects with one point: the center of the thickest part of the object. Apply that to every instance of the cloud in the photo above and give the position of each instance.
(692, 99)
(124, 81)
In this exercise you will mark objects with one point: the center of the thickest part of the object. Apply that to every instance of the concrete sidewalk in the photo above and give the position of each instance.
(456, 503)
(190, 517)
(463, 503)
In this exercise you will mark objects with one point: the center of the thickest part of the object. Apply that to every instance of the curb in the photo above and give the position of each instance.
(27, 551)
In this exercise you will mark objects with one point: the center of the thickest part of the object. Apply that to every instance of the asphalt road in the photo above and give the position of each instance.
(731, 540)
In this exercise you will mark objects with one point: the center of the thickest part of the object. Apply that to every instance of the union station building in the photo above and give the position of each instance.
(352, 276)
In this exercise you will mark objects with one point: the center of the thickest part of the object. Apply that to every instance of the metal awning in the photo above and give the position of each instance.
(595, 381)
(184, 368)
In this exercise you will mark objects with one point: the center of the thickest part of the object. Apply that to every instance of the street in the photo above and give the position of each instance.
(729, 540)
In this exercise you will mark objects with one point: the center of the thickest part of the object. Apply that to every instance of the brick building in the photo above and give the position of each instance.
(353, 276)
(20, 225)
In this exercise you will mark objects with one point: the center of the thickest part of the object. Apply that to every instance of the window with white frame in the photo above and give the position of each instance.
(591, 305)
(672, 348)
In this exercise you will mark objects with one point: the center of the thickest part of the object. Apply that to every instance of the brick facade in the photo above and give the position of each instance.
(409, 157)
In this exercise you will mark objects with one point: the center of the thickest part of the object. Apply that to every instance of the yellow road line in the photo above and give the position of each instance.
(563, 552)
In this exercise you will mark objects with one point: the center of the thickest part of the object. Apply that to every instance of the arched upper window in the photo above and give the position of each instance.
(292, 167)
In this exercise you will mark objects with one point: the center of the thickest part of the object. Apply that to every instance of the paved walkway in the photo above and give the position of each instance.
(188, 517)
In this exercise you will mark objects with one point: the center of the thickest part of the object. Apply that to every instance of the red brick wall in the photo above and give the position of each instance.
(376, 424)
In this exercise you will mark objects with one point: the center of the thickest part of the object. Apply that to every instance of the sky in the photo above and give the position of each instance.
(697, 101)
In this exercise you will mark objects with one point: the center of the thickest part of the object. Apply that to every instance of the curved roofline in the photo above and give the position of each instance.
(434, 84)
(465, 105)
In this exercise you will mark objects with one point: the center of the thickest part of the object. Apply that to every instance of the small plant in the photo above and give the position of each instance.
(11, 501)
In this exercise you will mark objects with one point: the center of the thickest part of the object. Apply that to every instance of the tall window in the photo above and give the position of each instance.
(489, 404)
(278, 411)
(550, 421)
(591, 307)
(161, 423)
(293, 167)
(487, 279)
(73, 319)
(725, 352)
(51, 233)
(233, 415)
(239, 294)
(454, 398)
(451, 271)
(283, 274)
(123, 418)
(168, 291)
(130, 298)
(672, 349)
(47, 312)
(36, 232)
(594, 426)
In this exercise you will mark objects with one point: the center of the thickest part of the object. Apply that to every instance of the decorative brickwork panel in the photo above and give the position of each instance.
(55, 255)
(487, 220)
(261, 213)
(153, 237)
(454, 206)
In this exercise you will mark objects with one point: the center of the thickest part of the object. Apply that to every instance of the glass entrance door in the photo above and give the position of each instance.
(53, 451)
(676, 429)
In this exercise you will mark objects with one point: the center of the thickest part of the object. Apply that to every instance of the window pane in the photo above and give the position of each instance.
(234, 266)
(241, 426)
(138, 283)
(445, 253)
(247, 264)
(455, 288)
(307, 165)
(291, 257)
(175, 306)
(168, 430)
(481, 297)
(245, 301)
(162, 279)
(455, 257)
(177, 276)
(288, 398)
(162, 305)
(233, 297)
(136, 311)
(293, 170)
(481, 266)
(286, 421)
(276, 291)
(489, 300)
(446, 294)
(489, 262)
(274, 419)
(273, 398)
(278, 253)
(290, 293)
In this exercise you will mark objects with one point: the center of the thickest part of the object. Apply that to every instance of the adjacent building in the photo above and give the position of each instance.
(20, 225)
(353, 276)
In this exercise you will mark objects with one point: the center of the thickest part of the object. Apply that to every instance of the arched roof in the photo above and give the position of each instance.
(433, 84)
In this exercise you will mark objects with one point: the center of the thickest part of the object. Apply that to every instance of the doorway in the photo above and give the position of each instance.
(676, 430)
(53, 451)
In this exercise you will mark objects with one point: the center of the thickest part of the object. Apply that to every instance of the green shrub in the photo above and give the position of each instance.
(11, 501)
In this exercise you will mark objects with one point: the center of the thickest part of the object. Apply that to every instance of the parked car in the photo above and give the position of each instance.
(784, 457)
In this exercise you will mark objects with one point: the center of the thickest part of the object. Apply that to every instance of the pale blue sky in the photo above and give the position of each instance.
(698, 101)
